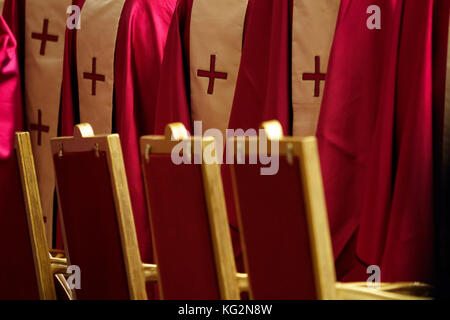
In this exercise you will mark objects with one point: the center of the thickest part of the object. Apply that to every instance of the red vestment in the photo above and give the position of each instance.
(375, 141)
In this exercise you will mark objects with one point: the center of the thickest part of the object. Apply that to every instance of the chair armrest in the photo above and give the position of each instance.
(151, 272)
(356, 291)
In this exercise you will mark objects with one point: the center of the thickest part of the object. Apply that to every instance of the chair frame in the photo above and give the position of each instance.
(327, 288)
(46, 267)
(231, 283)
(84, 140)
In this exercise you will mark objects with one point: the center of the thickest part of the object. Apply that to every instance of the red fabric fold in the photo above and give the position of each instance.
(262, 90)
(139, 48)
(17, 276)
(375, 139)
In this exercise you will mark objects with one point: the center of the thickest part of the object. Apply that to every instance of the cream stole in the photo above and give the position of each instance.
(2, 3)
(216, 33)
(314, 23)
(96, 43)
(44, 53)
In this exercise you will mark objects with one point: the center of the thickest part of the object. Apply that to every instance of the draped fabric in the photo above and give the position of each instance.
(137, 54)
(381, 124)
(18, 276)
(174, 101)
(11, 114)
(375, 140)
(44, 32)
(69, 116)
(174, 85)
(139, 49)
(310, 56)
(261, 92)
(14, 14)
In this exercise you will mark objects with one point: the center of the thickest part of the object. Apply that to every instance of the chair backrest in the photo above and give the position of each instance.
(25, 271)
(190, 230)
(96, 216)
(283, 219)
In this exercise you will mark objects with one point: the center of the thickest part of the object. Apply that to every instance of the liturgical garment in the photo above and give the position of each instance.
(12, 213)
(276, 82)
(13, 13)
(200, 68)
(375, 141)
(313, 26)
(118, 52)
(45, 27)
(229, 64)
(11, 115)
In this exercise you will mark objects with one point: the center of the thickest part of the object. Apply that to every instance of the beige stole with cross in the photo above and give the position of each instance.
(45, 28)
(96, 43)
(217, 28)
(314, 23)
(2, 2)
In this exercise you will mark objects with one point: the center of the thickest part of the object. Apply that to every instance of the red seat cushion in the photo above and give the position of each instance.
(275, 233)
(90, 224)
(180, 224)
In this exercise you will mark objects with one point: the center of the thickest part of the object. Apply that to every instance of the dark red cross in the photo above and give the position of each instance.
(39, 127)
(94, 76)
(212, 74)
(44, 37)
(316, 77)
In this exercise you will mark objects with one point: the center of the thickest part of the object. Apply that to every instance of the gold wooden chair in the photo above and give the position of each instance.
(284, 226)
(28, 270)
(96, 215)
(190, 230)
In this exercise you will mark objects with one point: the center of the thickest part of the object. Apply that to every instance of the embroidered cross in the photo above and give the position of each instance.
(212, 74)
(94, 76)
(44, 37)
(316, 77)
(39, 127)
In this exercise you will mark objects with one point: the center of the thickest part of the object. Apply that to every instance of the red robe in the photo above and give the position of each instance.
(14, 14)
(253, 103)
(11, 197)
(138, 53)
(139, 50)
(11, 113)
(263, 86)
(375, 140)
